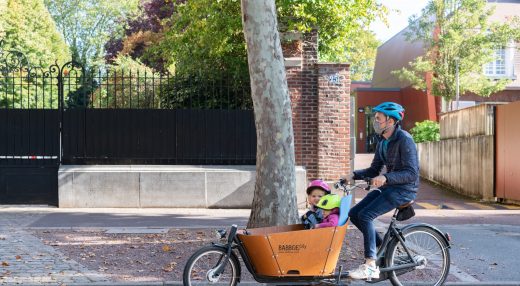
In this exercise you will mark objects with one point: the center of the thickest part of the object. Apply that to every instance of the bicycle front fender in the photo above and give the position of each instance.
(434, 228)
(233, 255)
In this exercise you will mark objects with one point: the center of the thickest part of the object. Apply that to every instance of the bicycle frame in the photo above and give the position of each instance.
(392, 232)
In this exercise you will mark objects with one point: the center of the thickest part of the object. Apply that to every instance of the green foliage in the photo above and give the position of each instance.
(27, 27)
(426, 131)
(361, 56)
(207, 34)
(461, 34)
(20, 89)
(29, 43)
(199, 91)
(339, 23)
(87, 25)
(202, 45)
(126, 84)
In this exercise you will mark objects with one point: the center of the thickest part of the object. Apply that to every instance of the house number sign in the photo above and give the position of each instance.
(334, 78)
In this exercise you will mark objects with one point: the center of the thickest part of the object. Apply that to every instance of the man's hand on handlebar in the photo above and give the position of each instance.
(370, 182)
(378, 181)
(349, 178)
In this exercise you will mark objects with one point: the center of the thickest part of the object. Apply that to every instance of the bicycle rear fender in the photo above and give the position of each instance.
(434, 228)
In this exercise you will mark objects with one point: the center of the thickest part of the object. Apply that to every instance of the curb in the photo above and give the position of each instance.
(150, 283)
(179, 283)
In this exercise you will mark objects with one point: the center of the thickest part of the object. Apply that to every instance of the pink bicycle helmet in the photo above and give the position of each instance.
(318, 184)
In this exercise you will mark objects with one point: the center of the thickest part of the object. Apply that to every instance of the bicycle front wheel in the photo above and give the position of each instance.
(429, 248)
(200, 268)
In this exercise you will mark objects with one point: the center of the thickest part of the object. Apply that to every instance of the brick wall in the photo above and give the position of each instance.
(320, 113)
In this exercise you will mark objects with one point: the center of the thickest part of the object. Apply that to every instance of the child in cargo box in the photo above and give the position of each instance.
(330, 206)
(315, 190)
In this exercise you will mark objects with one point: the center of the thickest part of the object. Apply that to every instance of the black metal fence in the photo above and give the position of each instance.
(145, 136)
(36, 88)
(68, 114)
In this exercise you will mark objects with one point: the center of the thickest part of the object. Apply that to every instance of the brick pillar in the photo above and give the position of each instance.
(320, 102)
(303, 88)
(334, 121)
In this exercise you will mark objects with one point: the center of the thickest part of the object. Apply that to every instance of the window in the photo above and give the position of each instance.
(498, 66)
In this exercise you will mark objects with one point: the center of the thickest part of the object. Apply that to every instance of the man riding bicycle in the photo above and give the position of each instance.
(397, 151)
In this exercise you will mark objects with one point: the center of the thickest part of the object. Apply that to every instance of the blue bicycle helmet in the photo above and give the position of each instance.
(391, 109)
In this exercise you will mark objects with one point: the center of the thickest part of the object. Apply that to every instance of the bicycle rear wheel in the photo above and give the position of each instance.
(199, 269)
(428, 247)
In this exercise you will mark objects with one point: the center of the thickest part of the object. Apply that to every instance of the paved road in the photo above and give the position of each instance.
(486, 243)
(486, 237)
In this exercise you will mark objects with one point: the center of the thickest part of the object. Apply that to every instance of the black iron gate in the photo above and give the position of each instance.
(29, 156)
(29, 130)
(64, 114)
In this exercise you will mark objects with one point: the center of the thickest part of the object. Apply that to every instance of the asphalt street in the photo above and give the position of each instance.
(486, 242)
(485, 236)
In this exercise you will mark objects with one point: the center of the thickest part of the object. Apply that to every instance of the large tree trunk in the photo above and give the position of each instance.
(274, 201)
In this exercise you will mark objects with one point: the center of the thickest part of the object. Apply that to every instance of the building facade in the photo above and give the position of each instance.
(421, 105)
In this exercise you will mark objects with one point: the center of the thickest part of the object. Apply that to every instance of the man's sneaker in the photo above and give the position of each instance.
(364, 271)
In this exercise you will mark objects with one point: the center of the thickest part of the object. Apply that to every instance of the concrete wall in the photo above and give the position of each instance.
(134, 186)
(464, 164)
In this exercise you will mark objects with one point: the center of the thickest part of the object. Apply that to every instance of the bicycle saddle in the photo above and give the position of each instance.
(405, 211)
(405, 205)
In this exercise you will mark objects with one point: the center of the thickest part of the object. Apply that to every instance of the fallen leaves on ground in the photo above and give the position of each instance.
(5, 274)
(154, 257)
(170, 266)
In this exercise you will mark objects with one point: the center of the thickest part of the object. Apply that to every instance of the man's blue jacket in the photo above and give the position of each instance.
(400, 158)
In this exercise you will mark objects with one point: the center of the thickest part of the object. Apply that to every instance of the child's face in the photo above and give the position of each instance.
(314, 196)
(326, 213)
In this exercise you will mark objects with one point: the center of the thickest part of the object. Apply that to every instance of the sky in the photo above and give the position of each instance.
(397, 20)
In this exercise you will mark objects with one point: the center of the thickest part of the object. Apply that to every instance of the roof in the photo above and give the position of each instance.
(392, 55)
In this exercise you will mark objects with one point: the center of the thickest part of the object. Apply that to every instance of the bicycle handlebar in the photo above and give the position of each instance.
(346, 188)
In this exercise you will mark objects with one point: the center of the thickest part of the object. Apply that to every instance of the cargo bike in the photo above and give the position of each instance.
(292, 255)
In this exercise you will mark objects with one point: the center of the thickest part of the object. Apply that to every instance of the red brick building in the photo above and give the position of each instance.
(421, 105)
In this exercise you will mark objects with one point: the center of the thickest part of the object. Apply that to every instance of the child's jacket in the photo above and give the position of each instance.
(331, 220)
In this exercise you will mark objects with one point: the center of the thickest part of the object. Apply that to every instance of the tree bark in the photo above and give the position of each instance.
(274, 201)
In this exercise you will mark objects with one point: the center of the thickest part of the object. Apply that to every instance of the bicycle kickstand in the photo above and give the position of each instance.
(338, 278)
